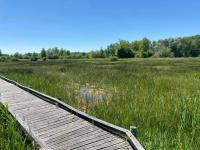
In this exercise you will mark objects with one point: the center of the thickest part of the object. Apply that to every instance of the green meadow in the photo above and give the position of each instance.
(160, 96)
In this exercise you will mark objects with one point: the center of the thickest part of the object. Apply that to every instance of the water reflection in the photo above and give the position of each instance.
(89, 92)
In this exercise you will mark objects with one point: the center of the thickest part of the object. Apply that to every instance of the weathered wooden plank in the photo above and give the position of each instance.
(59, 129)
(53, 126)
(54, 123)
(43, 119)
(122, 145)
(83, 142)
(99, 144)
(67, 128)
(10, 90)
(67, 132)
(11, 102)
(48, 119)
(108, 144)
(72, 134)
(40, 109)
(74, 137)
(14, 98)
(16, 94)
(25, 106)
(34, 115)
(21, 97)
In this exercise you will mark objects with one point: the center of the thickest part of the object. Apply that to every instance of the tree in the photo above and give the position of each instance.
(0, 52)
(125, 53)
(124, 50)
(175, 49)
(195, 48)
(111, 50)
(144, 44)
(53, 53)
(18, 55)
(135, 45)
(102, 53)
(67, 52)
(165, 52)
(97, 54)
(43, 53)
(34, 56)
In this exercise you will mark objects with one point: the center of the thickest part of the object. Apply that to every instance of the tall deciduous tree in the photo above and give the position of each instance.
(43, 53)
(146, 44)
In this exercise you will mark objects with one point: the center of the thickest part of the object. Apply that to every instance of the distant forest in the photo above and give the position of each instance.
(172, 47)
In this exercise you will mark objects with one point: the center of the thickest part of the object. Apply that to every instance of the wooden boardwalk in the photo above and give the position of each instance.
(56, 125)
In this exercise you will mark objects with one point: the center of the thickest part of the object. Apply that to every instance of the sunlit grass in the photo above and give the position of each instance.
(11, 137)
(161, 97)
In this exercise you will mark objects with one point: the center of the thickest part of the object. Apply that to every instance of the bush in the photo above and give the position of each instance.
(3, 59)
(164, 53)
(138, 54)
(125, 53)
(26, 57)
(14, 59)
(44, 59)
(34, 58)
(194, 53)
(53, 57)
(114, 58)
(144, 54)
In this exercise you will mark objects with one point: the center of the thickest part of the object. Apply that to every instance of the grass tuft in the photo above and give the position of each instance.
(11, 137)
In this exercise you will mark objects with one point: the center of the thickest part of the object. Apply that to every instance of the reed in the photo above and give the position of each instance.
(161, 97)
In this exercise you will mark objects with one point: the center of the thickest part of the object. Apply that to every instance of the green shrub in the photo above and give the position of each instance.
(14, 59)
(52, 56)
(114, 58)
(163, 53)
(34, 58)
(144, 54)
(44, 59)
(3, 59)
(125, 53)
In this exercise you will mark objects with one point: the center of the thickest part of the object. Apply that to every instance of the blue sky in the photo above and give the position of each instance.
(82, 25)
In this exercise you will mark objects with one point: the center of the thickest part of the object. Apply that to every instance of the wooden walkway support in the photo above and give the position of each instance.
(56, 125)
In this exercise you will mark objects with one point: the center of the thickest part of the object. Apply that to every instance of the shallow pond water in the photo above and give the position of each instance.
(89, 92)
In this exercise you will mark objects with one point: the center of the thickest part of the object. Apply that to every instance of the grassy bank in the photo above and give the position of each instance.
(11, 137)
(159, 96)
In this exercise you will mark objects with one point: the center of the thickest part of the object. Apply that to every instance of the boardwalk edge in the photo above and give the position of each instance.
(122, 132)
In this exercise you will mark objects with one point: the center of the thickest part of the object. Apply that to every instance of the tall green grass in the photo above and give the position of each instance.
(161, 97)
(11, 137)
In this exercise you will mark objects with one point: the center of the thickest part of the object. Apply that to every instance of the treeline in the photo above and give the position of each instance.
(44, 54)
(172, 47)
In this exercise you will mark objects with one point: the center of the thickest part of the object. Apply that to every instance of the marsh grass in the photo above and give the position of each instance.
(11, 136)
(161, 97)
